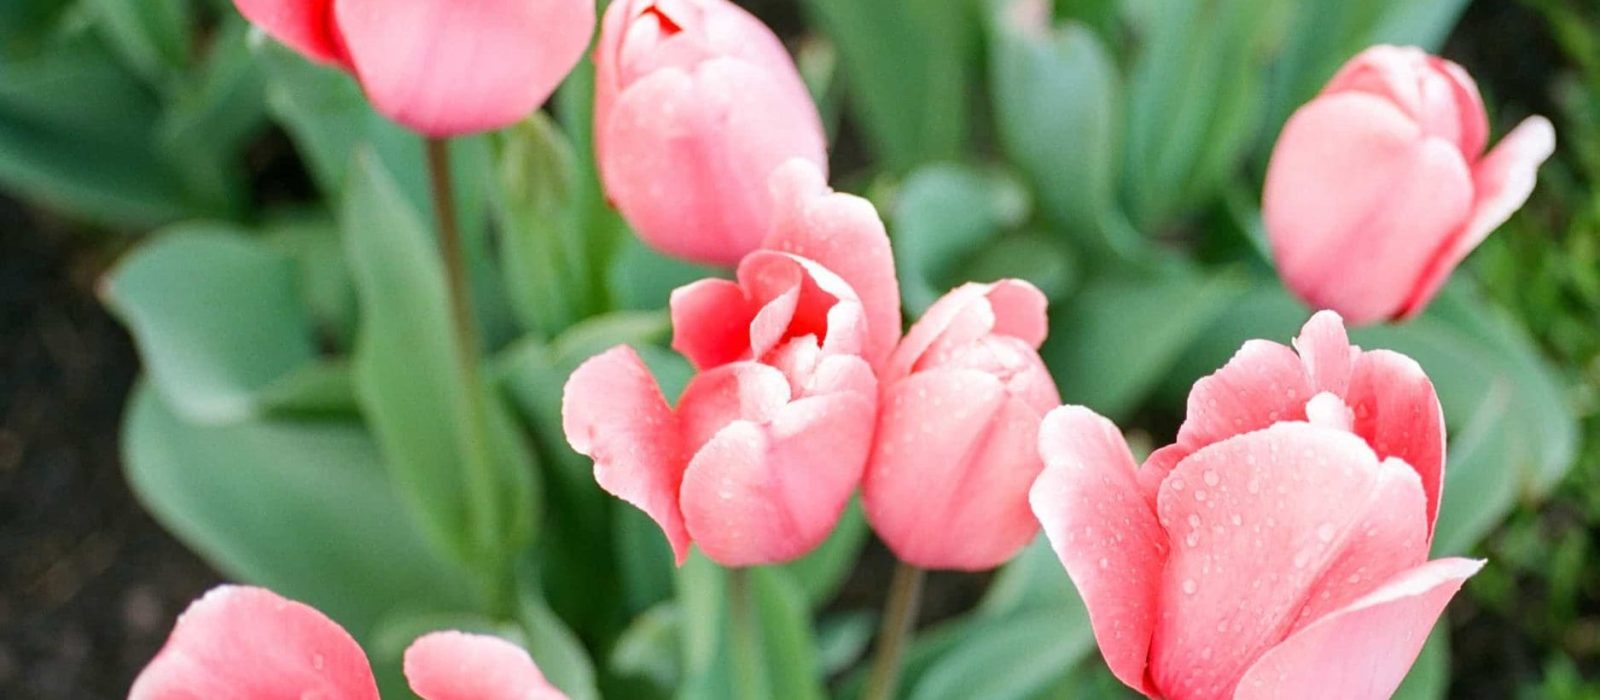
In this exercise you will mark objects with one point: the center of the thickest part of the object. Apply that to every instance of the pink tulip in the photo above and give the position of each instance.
(1379, 187)
(958, 431)
(768, 441)
(696, 103)
(440, 67)
(243, 643)
(1280, 548)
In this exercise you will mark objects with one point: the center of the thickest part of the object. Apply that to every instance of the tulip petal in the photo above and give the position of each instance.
(1326, 352)
(458, 666)
(711, 323)
(947, 486)
(768, 493)
(445, 67)
(303, 25)
(1008, 307)
(1503, 181)
(1255, 522)
(1262, 384)
(748, 391)
(1397, 411)
(1364, 650)
(842, 233)
(613, 412)
(243, 643)
(1357, 201)
(688, 156)
(1105, 534)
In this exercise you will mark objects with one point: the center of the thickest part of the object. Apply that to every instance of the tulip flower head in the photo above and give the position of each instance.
(1279, 549)
(243, 643)
(766, 444)
(957, 442)
(1379, 187)
(696, 104)
(440, 67)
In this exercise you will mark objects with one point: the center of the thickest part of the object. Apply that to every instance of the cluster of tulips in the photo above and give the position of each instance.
(1277, 548)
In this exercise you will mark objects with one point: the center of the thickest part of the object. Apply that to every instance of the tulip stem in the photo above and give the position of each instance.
(749, 655)
(905, 595)
(481, 488)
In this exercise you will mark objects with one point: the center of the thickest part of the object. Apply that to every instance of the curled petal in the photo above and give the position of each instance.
(748, 391)
(243, 643)
(612, 411)
(842, 233)
(1397, 411)
(1008, 307)
(458, 666)
(1326, 352)
(711, 323)
(1363, 650)
(445, 67)
(1502, 181)
(1104, 532)
(767, 493)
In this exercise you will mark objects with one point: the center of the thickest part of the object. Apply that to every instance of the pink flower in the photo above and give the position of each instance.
(1379, 187)
(244, 643)
(958, 430)
(766, 444)
(1280, 548)
(440, 67)
(696, 103)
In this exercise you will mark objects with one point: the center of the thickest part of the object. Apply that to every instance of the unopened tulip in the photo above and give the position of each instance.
(958, 427)
(1280, 549)
(696, 103)
(760, 455)
(440, 67)
(243, 643)
(1380, 186)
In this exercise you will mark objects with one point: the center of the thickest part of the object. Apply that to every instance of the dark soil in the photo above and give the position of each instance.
(89, 585)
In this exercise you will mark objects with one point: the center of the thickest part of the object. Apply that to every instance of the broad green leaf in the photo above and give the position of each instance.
(649, 647)
(942, 214)
(312, 239)
(1033, 580)
(842, 639)
(210, 118)
(640, 279)
(820, 573)
(300, 507)
(217, 317)
(1013, 661)
(545, 251)
(451, 444)
(153, 36)
(1058, 108)
(1113, 342)
(557, 650)
(776, 637)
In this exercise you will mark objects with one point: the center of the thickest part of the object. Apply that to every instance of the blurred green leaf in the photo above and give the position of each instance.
(151, 35)
(302, 508)
(1058, 110)
(1429, 678)
(906, 64)
(1113, 342)
(1013, 661)
(640, 279)
(209, 118)
(439, 427)
(782, 620)
(217, 317)
(821, 573)
(941, 215)
(545, 251)
(557, 650)
(649, 647)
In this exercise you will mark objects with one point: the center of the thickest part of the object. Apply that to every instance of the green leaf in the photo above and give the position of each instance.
(557, 650)
(217, 318)
(778, 636)
(210, 118)
(941, 214)
(1013, 661)
(1429, 678)
(640, 279)
(1110, 345)
(302, 508)
(546, 253)
(451, 444)
(151, 35)
(649, 647)
(1058, 109)
(821, 573)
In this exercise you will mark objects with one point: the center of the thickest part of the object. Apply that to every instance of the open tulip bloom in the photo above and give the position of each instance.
(1279, 549)
(243, 643)
(1380, 186)
(761, 453)
(440, 67)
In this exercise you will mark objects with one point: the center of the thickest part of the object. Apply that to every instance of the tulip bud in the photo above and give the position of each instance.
(696, 104)
(439, 67)
(1379, 186)
(956, 449)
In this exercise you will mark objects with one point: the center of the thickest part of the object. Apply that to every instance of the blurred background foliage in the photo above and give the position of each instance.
(274, 267)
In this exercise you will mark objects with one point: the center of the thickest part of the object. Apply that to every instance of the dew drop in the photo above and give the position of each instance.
(1211, 478)
(1189, 586)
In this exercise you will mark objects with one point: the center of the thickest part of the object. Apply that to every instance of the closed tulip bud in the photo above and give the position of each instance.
(439, 67)
(1380, 185)
(1278, 549)
(696, 103)
(956, 450)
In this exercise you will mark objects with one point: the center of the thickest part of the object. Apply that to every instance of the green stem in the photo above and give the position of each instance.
(905, 594)
(749, 656)
(481, 487)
